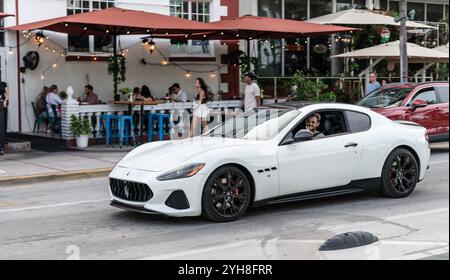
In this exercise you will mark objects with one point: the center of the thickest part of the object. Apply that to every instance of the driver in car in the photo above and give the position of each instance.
(312, 124)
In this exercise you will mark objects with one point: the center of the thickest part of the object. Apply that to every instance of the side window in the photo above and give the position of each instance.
(427, 94)
(358, 122)
(443, 93)
(331, 123)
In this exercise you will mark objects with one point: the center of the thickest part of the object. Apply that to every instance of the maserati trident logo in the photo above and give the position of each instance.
(126, 190)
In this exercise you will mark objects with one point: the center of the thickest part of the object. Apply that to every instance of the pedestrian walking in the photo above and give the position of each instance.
(4, 102)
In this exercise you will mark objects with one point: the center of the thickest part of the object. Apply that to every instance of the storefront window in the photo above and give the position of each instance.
(296, 10)
(320, 7)
(198, 10)
(359, 4)
(419, 8)
(269, 8)
(83, 43)
(382, 5)
(394, 6)
(434, 13)
(343, 5)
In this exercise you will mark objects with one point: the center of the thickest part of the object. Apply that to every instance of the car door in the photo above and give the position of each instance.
(443, 117)
(427, 116)
(318, 164)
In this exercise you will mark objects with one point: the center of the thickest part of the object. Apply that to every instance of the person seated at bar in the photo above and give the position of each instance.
(147, 94)
(41, 104)
(90, 97)
(179, 95)
(53, 99)
(137, 94)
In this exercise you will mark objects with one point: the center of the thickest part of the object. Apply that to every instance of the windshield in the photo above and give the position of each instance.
(259, 124)
(385, 98)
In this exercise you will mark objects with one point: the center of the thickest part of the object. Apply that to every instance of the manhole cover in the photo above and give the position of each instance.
(348, 240)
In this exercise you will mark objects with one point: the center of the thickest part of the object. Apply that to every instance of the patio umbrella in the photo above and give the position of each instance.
(115, 22)
(364, 17)
(3, 15)
(252, 27)
(391, 51)
(443, 48)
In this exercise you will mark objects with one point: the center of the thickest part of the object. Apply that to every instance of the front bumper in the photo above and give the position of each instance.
(177, 198)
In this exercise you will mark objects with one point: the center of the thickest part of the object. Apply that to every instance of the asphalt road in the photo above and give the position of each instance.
(73, 220)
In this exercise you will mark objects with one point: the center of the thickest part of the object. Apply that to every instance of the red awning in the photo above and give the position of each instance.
(117, 21)
(252, 27)
(3, 15)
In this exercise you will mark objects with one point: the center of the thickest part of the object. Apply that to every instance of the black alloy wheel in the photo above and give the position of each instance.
(400, 174)
(226, 195)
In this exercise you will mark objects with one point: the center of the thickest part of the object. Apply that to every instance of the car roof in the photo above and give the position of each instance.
(411, 85)
(292, 105)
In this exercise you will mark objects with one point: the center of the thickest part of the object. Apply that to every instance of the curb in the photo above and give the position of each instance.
(82, 174)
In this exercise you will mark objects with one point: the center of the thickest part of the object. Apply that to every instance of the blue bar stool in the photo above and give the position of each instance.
(108, 125)
(125, 129)
(160, 120)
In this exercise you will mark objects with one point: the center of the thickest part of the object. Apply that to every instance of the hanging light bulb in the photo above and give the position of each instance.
(145, 42)
(10, 51)
(152, 46)
(54, 65)
(165, 62)
(188, 74)
(42, 77)
(40, 38)
(212, 75)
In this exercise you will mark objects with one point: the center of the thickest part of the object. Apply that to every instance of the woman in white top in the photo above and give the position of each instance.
(201, 110)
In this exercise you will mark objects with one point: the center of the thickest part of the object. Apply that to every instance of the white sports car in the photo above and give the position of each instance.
(267, 156)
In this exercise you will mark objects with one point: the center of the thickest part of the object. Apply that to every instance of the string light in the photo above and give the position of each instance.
(152, 46)
(40, 38)
(42, 77)
(55, 65)
(188, 74)
(10, 51)
(212, 75)
(165, 62)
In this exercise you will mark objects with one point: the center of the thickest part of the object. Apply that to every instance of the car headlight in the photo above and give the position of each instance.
(184, 171)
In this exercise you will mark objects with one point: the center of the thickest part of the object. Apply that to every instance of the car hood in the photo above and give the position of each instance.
(167, 155)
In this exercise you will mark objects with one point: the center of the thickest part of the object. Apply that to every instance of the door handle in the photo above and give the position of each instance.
(351, 145)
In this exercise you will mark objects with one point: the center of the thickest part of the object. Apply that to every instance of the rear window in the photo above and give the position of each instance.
(358, 122)
(442, 92)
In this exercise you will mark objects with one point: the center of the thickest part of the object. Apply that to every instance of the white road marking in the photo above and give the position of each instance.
(439, 162)
(426, 254)
(203, 250)
(391, 218)
(51, 206)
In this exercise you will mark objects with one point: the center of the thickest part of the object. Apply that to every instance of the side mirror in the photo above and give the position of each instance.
(303, 135)
(419, 104)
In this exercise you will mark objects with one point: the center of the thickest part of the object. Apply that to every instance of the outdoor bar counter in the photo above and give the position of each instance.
(175, 109)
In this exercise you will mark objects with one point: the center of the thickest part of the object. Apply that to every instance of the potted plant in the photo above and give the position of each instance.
(127, 93)
(81, 128)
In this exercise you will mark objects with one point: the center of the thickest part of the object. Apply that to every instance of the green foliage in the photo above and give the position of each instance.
(118, 69)
(244, 64)
(442, 71)
(308, 90)
(80, 126)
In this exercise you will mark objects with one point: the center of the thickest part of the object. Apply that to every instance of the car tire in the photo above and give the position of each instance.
(400, 174)
(226, 195)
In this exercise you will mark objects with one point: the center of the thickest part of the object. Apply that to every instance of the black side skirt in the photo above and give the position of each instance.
(354, 187)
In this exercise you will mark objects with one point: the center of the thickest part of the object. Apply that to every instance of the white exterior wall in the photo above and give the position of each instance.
(78, 74)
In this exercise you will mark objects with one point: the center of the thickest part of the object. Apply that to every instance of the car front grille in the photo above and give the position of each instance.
(130, 191)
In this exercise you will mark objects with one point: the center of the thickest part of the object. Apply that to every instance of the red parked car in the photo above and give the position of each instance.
(425, 104)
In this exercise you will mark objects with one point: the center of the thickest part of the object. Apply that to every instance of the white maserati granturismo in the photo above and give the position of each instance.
(268, 156)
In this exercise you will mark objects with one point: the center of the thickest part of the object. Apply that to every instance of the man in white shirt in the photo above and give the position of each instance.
(252, 92)
(53, 99)
(178, 94)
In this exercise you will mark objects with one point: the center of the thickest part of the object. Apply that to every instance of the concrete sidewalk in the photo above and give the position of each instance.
(41, 166)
